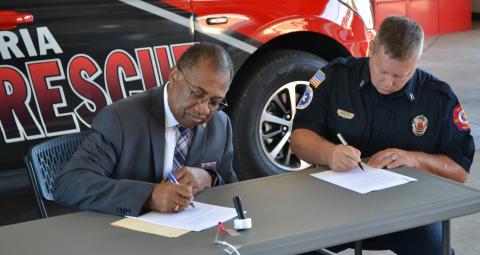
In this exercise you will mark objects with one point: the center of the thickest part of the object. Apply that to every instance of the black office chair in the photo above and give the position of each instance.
(44, 162)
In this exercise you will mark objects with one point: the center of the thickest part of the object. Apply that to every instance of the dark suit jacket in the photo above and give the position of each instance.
(117, 166)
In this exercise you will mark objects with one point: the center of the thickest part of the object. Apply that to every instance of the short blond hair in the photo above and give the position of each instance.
(401, 37)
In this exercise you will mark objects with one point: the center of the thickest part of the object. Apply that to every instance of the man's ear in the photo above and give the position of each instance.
(173, 74)
(371, 47)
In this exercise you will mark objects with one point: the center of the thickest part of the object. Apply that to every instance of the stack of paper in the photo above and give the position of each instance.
(201, 217)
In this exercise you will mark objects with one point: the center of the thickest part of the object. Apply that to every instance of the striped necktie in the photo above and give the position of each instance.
(181, 148)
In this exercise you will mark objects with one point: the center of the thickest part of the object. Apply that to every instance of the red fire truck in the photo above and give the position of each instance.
(63, 60)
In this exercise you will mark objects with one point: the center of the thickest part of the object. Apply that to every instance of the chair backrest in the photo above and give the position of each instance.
(45, 161)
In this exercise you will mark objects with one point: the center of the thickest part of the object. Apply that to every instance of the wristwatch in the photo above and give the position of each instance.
(214, 176)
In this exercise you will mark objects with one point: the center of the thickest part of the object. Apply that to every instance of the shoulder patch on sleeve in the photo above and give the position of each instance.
(306, 98)
(460, 118)
(317, 78)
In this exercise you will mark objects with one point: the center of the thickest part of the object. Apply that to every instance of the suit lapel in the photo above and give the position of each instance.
(196, 151)
(157, 131)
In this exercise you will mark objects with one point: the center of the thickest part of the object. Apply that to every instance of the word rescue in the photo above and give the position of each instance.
(32, 100)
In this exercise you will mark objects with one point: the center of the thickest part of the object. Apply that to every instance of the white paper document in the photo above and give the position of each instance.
(201, 217)
(364, 181)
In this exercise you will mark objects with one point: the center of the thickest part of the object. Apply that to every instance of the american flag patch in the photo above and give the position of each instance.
(317, 79)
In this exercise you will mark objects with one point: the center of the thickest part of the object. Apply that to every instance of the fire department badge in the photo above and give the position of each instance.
(460, 118)
(306, 98)
(419, 125)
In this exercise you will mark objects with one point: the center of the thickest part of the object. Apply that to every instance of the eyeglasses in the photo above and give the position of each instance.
(214, 103)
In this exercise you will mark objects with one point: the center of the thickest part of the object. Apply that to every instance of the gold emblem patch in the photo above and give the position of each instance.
(344, 114)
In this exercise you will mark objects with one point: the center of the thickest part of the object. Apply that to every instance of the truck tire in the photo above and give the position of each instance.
(262, 116)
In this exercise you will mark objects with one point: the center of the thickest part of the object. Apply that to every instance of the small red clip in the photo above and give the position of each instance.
(221, 228)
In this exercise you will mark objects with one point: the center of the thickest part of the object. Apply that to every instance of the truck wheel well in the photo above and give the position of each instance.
(318, 44)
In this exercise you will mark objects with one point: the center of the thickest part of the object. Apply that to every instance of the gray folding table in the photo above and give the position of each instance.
(291, 213)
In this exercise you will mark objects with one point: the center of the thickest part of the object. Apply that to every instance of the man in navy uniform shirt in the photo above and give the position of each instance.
(391, 111)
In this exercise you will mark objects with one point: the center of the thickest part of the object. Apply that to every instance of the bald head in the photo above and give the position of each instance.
(212, 55)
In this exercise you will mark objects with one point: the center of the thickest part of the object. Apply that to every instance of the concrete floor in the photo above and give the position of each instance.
(455, 59)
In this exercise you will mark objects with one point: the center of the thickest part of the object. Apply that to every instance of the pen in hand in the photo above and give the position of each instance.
(173, 180)
(344, 142)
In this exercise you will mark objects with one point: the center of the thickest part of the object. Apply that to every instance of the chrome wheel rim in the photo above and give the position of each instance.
(275, 126)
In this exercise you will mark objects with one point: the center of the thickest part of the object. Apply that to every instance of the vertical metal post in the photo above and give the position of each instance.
(358, 247)
(446, 237)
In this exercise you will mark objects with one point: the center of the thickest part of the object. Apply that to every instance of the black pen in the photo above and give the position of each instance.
(342, 140)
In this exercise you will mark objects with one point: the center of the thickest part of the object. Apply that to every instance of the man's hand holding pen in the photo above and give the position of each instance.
(349, 152)
(344, 158)
(169, 197)
(176, 194)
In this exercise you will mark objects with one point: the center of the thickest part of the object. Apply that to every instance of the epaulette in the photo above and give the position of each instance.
(320, 76)
(442, 87)
(339, 62)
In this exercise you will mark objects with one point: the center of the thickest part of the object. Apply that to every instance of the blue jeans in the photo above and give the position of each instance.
(424, 240)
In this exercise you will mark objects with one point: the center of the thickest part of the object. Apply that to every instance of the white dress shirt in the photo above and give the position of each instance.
(171, 135)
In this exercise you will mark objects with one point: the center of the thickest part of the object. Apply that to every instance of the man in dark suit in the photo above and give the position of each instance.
(122, 165)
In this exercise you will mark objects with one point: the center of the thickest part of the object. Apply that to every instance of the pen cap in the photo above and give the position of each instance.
(237, 201)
